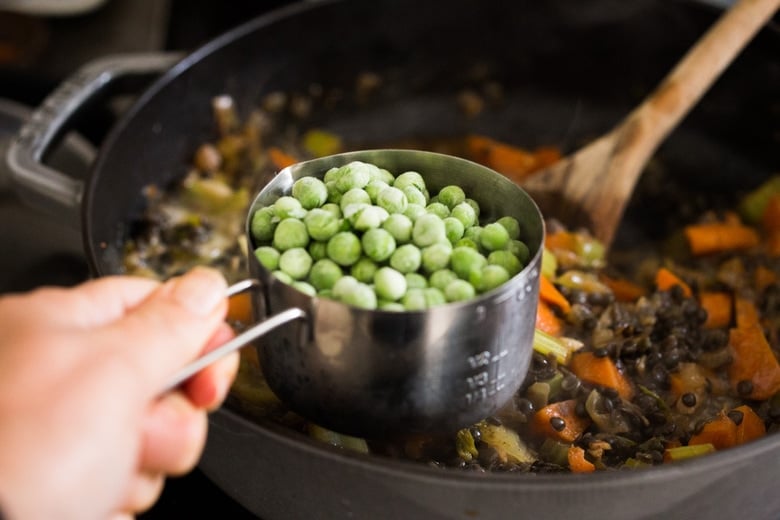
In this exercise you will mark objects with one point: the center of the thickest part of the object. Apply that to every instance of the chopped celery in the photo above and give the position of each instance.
(546, 345)
(337, 439)
(633, 463)
(506, 442)
(752, 205)
(549, 264)
(555, 452)
(580, 280)
(688, 452)
(465, 446)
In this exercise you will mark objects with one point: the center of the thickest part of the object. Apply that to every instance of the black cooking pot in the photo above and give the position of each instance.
(567, 71)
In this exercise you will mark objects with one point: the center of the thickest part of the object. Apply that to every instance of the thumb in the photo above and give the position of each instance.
(172, 325)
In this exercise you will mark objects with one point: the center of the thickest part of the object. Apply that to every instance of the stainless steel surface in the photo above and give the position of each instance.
(367, 372)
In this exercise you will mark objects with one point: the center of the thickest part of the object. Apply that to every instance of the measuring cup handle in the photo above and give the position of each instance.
(243, 339)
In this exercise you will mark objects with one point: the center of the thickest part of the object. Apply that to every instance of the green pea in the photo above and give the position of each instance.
(364, 270)
(369, 217)
(373, 189)
(438, 209)
(414, 196)
(343, 285)
(410, 178)
(414, 300)
(289, 234)
(451, 196)
(433, 297)
(406, 258)
(283, 277)
(304, 287)
(464, 260)
(321, 224)
(360, 295)
(390, 306)
(264, 223)
(428, 230)
(466, 242)
(378, 244)
(453, 229)
(441, 278)
(511, 225)
(520, 250)
(415, 281)
(344, 248)
(465, 213)
(354, 196)
(475, 206)
(333, 208)
(288, 207)
(507, 260)
(389, 284)
(318, 250)
(324, 274)
(494, 236)
(310, 192)
(399, 226)
(488, 278)
(414, 211)
(353, 175)
(392, 199)
(436, 256)
(296, 262)
(268, 257)
(459, 290)
(334, 195)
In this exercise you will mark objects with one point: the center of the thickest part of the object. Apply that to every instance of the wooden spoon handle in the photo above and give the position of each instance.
(592, 187)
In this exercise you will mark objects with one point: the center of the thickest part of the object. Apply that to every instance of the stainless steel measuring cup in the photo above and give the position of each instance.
(374, 372)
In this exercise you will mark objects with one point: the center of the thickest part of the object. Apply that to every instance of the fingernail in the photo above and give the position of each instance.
(200, 290)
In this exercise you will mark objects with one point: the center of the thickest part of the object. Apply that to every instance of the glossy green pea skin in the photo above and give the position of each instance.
(475, 206)
(494, 236)
(399, 226)
(311, 192)
(410, 178)
(438, 209)
(324, 274)
(406, 258)
(488, 278)
(282, 277)
(353, 175)
(389, 284)
(318, 250)
(296, 262)
(378, 244)
(333, 208)
(268, 257)
(433, 297)
(263, 224)
(344, 248)
(375, 187)
(290, 233)
(414, 300)
(304, 287)
(451, 196)
(321, 224)
(343, 285)
(354, 196)
(520, 250)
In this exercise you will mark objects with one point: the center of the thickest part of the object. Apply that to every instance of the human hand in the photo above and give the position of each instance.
(84, 432)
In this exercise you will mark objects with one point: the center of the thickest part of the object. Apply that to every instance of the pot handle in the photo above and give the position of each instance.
(243, 339)
(43, 187)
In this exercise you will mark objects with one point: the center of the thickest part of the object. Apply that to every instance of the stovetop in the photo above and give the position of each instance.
(44, 51)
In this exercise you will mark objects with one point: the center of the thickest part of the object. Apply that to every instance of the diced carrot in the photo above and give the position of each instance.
(665, 280)
(547, 156)
(721, 432)
(240, 308)
(689, 378)
(751, 427)
(746, 313)
(753, 361)
(508, 160)
(550, 294)
(280, 158)
(577, 461)
(547, 320)
(770, 218)
(718, 237)
(772, 243)
(600, 371)
(763, 277)
(624, 290)
(571, 426)
(561, 240)
(718, 307)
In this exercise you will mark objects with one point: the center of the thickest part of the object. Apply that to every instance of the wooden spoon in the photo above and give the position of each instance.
(591, 187)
